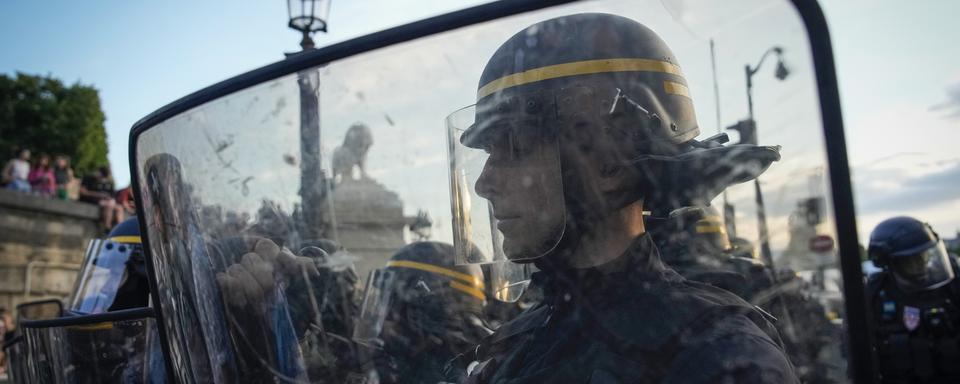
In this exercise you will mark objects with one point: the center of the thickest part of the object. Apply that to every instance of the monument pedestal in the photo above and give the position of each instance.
(369, 222)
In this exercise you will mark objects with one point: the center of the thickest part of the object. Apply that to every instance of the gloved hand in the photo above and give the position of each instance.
(248, 283)
(257, 309)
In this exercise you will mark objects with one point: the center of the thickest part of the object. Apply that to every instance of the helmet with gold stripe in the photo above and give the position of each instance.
(576, 118)
(694, 235)
(420, 294)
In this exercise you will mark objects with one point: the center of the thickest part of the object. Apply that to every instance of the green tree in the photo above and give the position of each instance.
(41, 114)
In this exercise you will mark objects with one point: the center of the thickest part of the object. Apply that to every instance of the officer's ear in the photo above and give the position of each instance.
(613, 177)
(621, 185)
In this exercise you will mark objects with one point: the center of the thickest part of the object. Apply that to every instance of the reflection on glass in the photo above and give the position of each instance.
(260, 230)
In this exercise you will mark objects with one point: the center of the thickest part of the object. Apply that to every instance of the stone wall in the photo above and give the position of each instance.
(45, 238)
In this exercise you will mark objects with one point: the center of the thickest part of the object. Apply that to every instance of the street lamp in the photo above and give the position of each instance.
(308, 16)
(781, 73)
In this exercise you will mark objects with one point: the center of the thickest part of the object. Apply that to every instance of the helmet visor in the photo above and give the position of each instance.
(505, 185)
(927, 269)
(373, 311)
(107, 265)
(508, 280)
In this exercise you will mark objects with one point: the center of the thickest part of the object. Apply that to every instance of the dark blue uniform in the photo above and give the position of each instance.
(918, 333)
(642, 322)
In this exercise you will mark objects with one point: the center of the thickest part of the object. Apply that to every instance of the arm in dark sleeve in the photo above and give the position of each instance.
(734, 350)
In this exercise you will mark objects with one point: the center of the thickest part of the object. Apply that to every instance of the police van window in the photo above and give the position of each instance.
(586, 192)
(905, 195)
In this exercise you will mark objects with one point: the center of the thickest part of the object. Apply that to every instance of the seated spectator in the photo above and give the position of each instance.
(17, 172)
(63, 175)
(125, 199)
(41, 178)
(99, 189)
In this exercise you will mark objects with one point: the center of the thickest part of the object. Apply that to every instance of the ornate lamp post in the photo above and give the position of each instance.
(307, 17)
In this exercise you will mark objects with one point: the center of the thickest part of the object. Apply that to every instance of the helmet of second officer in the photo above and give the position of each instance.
(910, 250)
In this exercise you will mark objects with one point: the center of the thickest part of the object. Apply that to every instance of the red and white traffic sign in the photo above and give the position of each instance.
(821, 243)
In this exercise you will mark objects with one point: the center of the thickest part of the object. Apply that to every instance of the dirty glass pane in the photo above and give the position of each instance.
(904, 168)
(596, 144)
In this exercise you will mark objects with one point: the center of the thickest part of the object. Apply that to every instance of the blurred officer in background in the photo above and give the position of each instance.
(914, 300)
(420, 311)
(108, 331)
(694, 242)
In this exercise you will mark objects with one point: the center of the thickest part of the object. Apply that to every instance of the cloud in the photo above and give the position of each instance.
(950, 107)
(899, 190)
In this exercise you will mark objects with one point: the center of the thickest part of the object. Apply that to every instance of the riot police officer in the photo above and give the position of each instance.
(694, 242)
(914, 303)
(107, 333)
(420, 311)
(585, 122)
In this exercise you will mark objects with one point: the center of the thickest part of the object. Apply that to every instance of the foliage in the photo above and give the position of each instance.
(43, 115)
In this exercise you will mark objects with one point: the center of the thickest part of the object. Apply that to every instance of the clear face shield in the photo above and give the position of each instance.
(373, 311)
(108, 265)
(506, 188)
(925, 270)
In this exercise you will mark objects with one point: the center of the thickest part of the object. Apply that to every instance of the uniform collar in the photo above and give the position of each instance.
(639, 263)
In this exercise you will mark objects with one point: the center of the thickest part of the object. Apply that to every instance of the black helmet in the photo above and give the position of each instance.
(692, 234)
(114, 275)
(607, 65)
(422, 292)
(422, 305)
(425, 272)
(566, 52)
(600, 86)
(912, 251)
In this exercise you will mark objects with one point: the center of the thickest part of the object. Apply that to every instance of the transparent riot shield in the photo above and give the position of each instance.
(16, 363)
(18, 354)
(117, 347)
(588, 123)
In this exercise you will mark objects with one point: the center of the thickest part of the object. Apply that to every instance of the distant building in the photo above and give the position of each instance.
(805, 222)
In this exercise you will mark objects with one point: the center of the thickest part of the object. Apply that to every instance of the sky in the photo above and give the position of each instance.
(899, 79)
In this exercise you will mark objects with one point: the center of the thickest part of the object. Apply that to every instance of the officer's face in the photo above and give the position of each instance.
(913, 268)
(521, 179)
